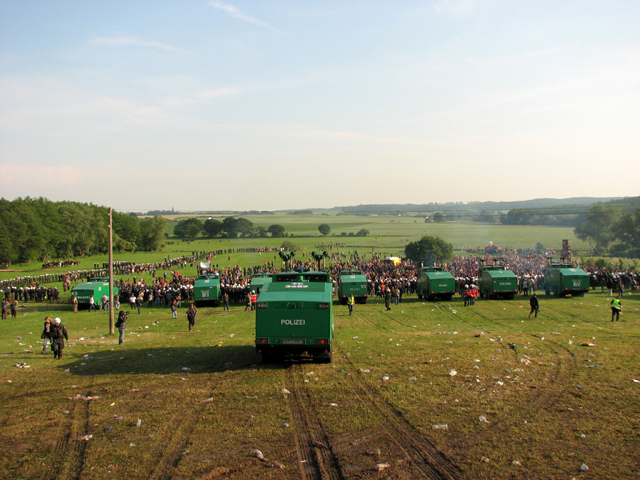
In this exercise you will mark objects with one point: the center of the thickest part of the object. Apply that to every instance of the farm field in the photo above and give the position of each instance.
(389, 236)
(527, 400)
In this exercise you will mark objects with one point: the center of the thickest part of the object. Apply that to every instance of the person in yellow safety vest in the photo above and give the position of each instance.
(616, 307)
(351, 301)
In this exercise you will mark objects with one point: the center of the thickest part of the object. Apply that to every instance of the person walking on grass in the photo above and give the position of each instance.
(46, 334)
(535, 306)
(191, 316)
(121, 325)
(58, 335)
(248, 307)
(616, 308)
(225, 301)
(387, 299)
(351, 301)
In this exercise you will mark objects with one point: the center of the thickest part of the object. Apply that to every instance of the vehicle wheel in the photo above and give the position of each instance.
(266, 357)
(419, 296)
(510, 296)
(449, 298)
(364, 301)
(580, 294)
(547, 293)
(323, 357)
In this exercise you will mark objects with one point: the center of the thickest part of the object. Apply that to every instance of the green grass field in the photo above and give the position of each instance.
(389, 236)
(206, 402)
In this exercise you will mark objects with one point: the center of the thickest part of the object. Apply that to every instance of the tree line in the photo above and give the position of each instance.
(39, 229)
(229, 227)
(612, 229)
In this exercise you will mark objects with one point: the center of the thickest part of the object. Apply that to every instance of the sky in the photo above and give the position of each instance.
(247, 105)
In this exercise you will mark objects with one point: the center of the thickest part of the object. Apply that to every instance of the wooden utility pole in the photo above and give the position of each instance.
(111, 309)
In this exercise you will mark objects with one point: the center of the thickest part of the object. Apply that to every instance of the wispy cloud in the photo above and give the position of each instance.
(455, 8)
(18, 176)
(520, 56)
(236, 13)
(199, 97)
(130, 41)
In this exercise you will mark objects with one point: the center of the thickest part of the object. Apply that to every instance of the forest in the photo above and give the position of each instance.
(39, 229)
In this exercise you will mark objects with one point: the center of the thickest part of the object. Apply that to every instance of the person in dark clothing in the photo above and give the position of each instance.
(46, 334)
(535, 306)
(191, 316)
(225, 301)
(387, 299)
(120, 325)
(58, 335)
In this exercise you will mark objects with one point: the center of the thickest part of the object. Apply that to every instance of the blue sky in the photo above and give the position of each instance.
(238, 105)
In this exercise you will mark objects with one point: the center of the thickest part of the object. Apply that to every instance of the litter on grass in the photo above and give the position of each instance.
(82, 397)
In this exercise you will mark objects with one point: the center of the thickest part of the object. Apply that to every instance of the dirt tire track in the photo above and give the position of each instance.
(420, 452)
(69, 454)
(564, 368)
(314, 451)
(183, 425)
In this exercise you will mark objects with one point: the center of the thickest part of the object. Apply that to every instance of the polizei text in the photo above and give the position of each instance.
(292, 322)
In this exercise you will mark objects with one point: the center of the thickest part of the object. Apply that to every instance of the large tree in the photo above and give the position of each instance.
(127, 227)
(235, 227)
(429, 250)
(212, 228)
(276, 230)
(324, 229)
(598, 227)
(627, 234)
(188, 228)
(152, 230)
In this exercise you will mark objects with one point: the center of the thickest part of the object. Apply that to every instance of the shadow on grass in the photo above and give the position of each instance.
(163, 361)
(173, 360)
(36, 307)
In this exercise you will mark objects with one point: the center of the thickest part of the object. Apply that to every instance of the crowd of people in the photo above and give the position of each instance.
(161, 284)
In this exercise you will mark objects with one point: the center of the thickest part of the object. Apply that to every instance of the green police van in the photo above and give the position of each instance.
(206, 290)
(496, 281)
(564, 279)
(294, 315)
(352, 282)
(96, 286)
(258, 281)
(435, 282)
